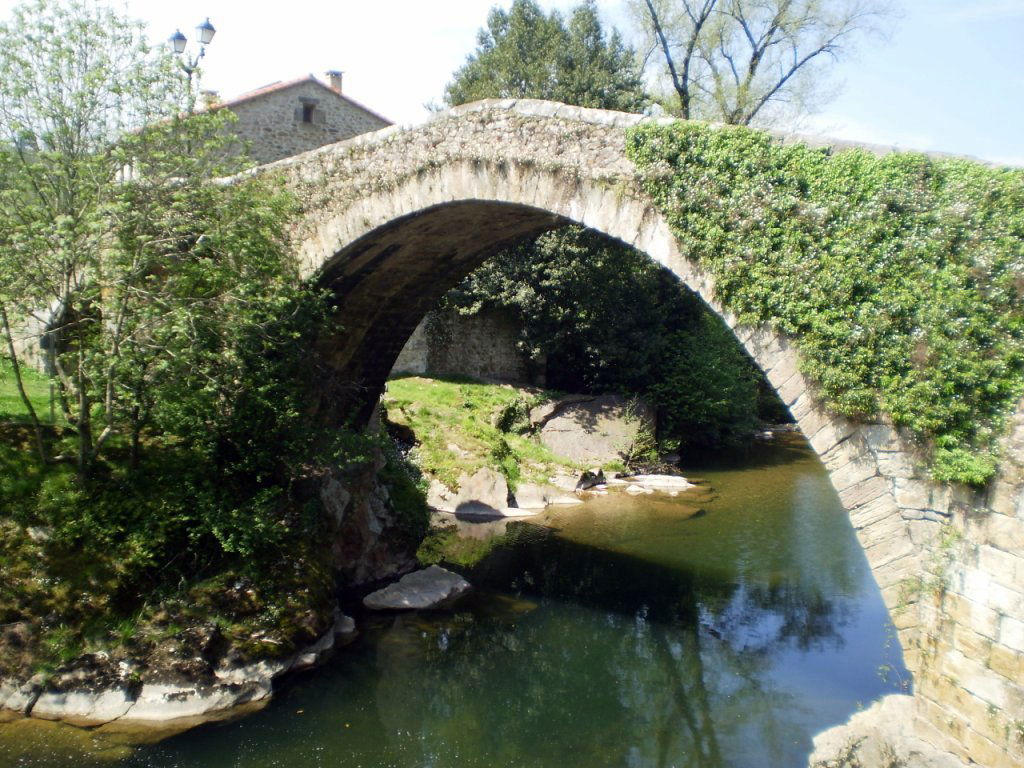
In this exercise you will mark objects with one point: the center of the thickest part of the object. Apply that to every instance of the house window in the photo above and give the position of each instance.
(307, 111)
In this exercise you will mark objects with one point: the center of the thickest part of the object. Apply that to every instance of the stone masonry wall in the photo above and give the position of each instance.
(395, 218)
(482, 345)
(272, 123)
(971, 686)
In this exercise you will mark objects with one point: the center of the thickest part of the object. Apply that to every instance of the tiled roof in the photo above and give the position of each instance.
(284, 85)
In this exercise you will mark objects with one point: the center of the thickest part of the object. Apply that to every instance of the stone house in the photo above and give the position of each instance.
(290, 117)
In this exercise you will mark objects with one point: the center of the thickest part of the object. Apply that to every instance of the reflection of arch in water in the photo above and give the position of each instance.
(394, 219)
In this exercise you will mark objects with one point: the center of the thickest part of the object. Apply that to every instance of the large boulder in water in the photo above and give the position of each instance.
(482, 494)
(596, 429)
(433, 587)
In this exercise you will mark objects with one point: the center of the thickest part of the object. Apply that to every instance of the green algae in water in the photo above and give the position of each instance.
(624, 632)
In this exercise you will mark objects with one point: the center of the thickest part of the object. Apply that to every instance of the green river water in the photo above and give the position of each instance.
(723, 627)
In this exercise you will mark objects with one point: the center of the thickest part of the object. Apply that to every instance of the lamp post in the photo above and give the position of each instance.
(204, 35)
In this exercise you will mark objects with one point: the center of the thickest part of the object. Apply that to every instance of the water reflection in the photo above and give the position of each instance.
(628, 632)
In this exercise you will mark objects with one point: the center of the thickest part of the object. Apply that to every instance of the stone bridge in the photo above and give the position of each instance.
(394, 219)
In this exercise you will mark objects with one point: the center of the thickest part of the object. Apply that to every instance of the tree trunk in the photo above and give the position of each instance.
(84, 418)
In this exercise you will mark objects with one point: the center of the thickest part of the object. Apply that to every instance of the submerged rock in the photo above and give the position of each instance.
(636, 489)
(431, 588)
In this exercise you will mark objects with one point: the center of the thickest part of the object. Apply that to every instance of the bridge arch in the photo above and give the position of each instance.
(390, 221)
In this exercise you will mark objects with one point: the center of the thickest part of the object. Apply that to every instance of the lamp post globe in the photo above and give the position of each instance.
(205, 32)
(178, 41)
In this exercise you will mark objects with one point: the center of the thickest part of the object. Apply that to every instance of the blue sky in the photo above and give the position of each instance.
(950, 76)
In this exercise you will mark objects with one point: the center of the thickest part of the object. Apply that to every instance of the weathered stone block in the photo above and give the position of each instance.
(881, 437)
(1011, 633)
(971, 644)
(1005, 533)
(878, 509)
(895, 464)
(864, 492)
(1006, 568)
(834, 431)
(914, 494)
(980, 618)
(1006, 662)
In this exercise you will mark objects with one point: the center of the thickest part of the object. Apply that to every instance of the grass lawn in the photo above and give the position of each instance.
(36, 385)
(462, 425)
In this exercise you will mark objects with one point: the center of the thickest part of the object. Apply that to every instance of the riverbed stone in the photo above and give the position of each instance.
(596, 430)
(431, 588)
(565, 500)
(485, 492)
(530, 496)
(83, 708)
(879, 737)
(662, 482)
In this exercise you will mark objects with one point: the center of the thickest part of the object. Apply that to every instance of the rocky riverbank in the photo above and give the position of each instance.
(882, 736)
(193, 685)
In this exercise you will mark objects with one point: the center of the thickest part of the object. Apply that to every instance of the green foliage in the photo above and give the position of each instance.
(107, 180)
(524, 53)
(608, 319)
(706, 388)
(185, 447)
(461, 425)
(407, 489)
(900, 277)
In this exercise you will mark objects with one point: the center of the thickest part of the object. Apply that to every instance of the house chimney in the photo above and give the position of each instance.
(335, 78)
(210, 98)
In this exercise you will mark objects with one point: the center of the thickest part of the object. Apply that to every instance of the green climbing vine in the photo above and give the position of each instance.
(900, 277)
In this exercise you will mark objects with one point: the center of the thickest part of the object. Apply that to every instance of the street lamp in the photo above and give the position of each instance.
(204, 34)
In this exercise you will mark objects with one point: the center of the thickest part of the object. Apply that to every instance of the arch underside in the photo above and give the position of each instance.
(388, 273)
(390, 278)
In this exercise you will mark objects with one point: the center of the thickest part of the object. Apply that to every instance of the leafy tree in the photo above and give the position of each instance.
(525, 53)
(177, 325)
(744, 61)
(117, 237)
(75, 81)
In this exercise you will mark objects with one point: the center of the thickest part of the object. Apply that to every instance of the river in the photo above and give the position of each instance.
(722, 627)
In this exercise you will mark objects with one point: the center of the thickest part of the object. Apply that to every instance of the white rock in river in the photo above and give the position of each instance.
(662, 482)
(433, 587)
